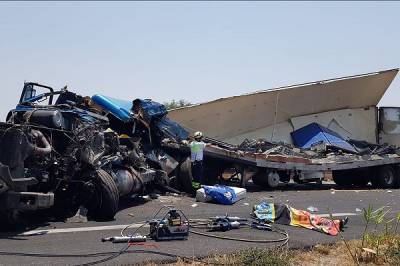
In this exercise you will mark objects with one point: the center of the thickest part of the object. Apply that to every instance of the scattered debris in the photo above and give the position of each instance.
(154, 195)
(80, 216)
(368, 250)
(313, 135)
(194, 205)
(358, 210)
(312, 209)
(220, 194)
(172, 194)
(284, 214)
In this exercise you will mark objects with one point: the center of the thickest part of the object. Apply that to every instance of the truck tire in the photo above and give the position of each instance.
(360, 181)
(185, 176)
(259, 179)
(397, 176)
(10, 219)
(284, 176)
(273, 179)
(269, 179)
(342, 178)
(107, 196)
(385, 177)
(361, 177)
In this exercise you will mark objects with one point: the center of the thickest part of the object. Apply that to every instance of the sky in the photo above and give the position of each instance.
(197, 51)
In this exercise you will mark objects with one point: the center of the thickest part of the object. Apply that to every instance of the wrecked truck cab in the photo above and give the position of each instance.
(151, 114)
(36, 107)
(87, 151)
(147, 120)
(56, 155)
(14, 193)
(30, 93)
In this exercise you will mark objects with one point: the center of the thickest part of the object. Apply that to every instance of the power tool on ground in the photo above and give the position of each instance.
(173, 226)
(225, 223)
(125, 239)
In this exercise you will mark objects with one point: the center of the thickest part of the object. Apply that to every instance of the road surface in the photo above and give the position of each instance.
(66, 238)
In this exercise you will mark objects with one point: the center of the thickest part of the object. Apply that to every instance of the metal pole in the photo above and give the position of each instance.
(276, 114)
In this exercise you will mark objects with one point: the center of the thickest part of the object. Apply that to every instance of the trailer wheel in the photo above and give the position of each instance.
(107, 196)
(273, 179)
(259, 179)
(361, 177)
(266, 179)
(342, 178)
(397, 177)
(385, 177)
(284, 176)
(185, 177)
(360, 181)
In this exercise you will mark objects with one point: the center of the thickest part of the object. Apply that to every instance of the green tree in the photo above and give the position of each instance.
(176, 104)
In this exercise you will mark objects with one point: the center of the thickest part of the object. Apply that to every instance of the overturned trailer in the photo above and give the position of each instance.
(347, 106)
(275, 163)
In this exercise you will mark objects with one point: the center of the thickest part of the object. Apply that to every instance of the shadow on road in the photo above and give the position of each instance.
(306, 187)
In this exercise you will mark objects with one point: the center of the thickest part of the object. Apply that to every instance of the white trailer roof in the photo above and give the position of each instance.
(228, 117)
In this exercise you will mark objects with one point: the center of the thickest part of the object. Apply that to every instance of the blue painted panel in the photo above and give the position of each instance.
(314, 133)
(119, 108)
(151, 109)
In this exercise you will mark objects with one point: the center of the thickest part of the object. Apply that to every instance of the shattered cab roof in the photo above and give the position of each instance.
(222, 118)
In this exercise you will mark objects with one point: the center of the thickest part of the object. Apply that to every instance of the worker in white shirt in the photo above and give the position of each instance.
(197, 147)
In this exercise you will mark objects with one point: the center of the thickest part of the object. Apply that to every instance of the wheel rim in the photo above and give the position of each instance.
(273, 179)
(388, 177)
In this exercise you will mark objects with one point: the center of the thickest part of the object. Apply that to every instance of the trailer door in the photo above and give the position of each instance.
(389, 125)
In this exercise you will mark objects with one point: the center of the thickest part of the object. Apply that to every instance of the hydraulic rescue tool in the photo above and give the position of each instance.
(173, 226)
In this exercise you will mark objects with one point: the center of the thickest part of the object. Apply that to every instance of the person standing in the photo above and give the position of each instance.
(197, 147)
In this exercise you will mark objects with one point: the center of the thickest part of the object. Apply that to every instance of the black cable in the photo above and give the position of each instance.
(124, 250)
(99, 254)
(198, 223)
(285, 239)
(202, 223)
(126, 247)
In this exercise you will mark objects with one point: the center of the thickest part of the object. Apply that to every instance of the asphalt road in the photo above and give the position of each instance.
(66, 238)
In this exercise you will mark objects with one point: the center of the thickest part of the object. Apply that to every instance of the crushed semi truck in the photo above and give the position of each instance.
(61, 150)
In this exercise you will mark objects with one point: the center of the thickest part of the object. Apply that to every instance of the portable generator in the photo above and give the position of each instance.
(173, 226)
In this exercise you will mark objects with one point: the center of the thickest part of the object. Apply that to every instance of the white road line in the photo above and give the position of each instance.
(339, 214)
(121, 226)
(78, 229)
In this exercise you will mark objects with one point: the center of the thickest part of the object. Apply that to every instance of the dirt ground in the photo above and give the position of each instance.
(326, 255)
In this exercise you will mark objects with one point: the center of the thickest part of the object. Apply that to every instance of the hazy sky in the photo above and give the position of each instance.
(197, 51)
